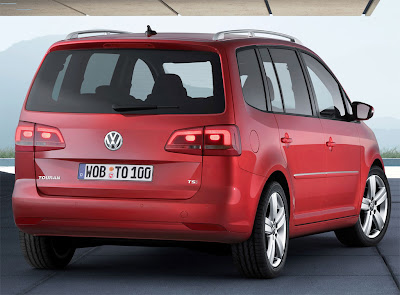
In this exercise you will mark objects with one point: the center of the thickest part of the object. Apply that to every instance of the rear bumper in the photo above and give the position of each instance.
(215, 214)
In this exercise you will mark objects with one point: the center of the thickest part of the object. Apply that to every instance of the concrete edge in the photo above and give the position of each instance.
(391, 161)
(7, 162)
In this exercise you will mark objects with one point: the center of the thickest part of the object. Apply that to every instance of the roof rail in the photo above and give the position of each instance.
(251, 33)
(75, 35)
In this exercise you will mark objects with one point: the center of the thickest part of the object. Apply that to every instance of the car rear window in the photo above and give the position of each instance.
(141, 81)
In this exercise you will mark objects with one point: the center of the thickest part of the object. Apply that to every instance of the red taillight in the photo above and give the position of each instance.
(208, 141)
(30, 137)
(188, 141)
(48, 138)
(24, 137)
(222, 141)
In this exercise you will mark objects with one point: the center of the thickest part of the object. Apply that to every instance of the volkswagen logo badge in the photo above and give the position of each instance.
(113, 140)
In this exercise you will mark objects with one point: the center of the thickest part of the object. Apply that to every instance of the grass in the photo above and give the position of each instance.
(391, 153)
(7, 153)
(385, 153)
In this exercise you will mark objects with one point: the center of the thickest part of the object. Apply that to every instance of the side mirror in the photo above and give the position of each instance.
(362, 111)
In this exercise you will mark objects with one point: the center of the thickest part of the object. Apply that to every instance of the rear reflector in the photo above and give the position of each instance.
(30, 137)
(221, 140)
(28, 220)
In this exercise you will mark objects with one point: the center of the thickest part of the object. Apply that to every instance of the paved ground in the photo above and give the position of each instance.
(316, 264)
(184, 7)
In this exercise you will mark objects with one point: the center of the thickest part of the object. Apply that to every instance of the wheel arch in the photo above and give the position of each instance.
(280, 175)
(378, 162)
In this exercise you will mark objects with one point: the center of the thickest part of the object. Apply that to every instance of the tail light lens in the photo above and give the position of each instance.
(30, 137)
(48, 138)
(24, 136)
(221, 140)
(188, 141)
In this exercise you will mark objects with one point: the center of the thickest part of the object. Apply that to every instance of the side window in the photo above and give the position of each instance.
(99, 71)
(272, 81)
(327, 90)
(294, 89)
(142, 80)
(251, 79)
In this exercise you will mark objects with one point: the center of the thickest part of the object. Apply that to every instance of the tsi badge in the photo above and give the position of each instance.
(113, 140)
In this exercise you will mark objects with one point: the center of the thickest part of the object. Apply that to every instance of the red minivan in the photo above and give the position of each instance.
(229, 138)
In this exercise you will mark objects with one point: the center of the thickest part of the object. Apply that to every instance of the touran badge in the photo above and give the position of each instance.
(113, 140)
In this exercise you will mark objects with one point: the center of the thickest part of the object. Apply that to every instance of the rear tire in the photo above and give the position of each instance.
(46, 252)
(374, 214)
(264, 254)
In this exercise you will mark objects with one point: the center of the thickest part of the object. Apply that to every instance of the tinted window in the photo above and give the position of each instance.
(327, 91)
(60, 79)
(251, 79)
(196, 77)
(294, 89)
(93, 81)
(142, 80)
(272, 82)
(99, 71)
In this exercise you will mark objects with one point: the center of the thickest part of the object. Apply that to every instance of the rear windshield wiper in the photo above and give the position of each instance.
(127, 108)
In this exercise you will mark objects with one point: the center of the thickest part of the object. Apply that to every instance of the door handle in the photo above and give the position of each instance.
(330, 144)
(286, 139)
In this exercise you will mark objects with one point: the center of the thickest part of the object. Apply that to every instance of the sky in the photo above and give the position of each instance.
(362, 51)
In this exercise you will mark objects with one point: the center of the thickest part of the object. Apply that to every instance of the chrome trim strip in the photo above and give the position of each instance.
(326, 173)
(347, 172)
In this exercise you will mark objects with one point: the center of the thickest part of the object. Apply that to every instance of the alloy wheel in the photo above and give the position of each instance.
(275, 229)
(374, 207)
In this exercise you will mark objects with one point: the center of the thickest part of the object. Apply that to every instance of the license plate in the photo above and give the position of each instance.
(115, 172)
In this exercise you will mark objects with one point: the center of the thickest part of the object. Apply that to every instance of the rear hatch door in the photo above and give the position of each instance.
(144, 95)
